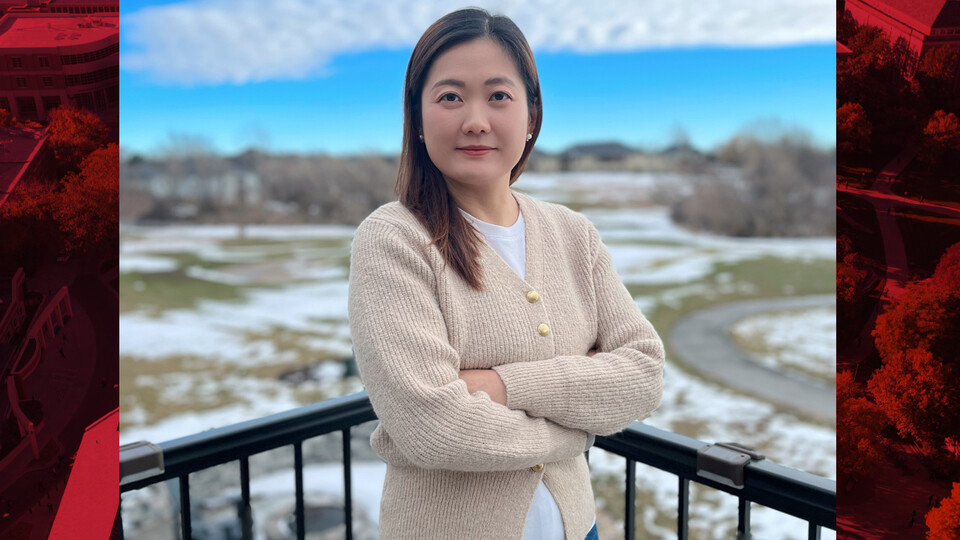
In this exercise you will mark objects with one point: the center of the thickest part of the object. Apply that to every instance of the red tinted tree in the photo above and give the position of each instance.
(935, 73)
(30, 232)
(853, 129)
(846, 27)
(872, 48)
(941, 136)
(860, 77)
(917, 338)
(850, 276)
(939, 63)
(89, 204)
(943, 521)
(902, 58)
(74, 134)
(859, 423)
(947, 273)
(917, 391)
(923, 316)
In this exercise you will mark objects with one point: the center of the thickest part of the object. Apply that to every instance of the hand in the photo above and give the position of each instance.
(486, 380)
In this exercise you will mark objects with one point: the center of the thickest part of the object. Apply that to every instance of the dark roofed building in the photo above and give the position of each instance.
(605, 151)
(913, 26)
(922, 15)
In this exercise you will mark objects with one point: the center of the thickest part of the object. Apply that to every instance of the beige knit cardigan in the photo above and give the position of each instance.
(459, 465)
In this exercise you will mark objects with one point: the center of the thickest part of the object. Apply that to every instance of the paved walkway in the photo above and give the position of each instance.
(701, 340)
(882, 505)
(887, 205)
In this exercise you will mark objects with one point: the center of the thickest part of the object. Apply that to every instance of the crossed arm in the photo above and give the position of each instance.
(487, 380)
(430, 411)
(601, 392)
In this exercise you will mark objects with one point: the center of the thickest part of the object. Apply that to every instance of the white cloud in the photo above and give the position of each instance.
(240, 41)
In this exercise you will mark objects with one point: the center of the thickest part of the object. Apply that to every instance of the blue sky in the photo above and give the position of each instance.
(291, 81)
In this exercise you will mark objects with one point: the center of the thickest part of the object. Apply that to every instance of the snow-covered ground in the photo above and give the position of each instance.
(216, 329)
(774, 336)
(239, 336)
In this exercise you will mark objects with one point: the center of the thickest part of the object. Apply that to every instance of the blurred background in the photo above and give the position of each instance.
(698, 138)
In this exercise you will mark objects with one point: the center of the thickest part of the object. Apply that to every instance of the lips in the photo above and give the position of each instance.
(476, 150)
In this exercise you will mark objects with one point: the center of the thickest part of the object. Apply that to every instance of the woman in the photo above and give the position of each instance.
(491, 359)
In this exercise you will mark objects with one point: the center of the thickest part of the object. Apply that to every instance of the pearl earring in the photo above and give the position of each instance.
(421, 137)
(529, 136)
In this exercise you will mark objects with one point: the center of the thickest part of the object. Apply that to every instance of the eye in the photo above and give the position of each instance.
(505, 97)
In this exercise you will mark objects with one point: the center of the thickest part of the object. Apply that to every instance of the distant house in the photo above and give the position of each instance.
(913, 27)
(191, 187)
(611, 156)
(596, 156)
(542, 161)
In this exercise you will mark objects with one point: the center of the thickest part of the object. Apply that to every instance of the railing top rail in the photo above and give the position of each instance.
(788, 490)
(799, 493)
(228, 443)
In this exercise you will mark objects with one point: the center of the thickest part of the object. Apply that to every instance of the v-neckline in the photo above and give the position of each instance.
(491, 261)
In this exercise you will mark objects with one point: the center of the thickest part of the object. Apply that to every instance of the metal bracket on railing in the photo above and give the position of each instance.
(725, 462)
(138, 460)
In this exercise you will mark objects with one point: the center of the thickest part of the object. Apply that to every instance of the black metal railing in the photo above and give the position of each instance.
(801, 494)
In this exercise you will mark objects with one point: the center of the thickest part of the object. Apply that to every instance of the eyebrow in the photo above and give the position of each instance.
(461, 84)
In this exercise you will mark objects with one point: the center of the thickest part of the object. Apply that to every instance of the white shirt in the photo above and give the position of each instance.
(543, 519)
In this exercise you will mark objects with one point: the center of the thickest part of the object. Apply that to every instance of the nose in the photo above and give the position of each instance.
(476, 120)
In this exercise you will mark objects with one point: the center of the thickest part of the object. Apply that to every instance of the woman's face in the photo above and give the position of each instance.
(474, 96)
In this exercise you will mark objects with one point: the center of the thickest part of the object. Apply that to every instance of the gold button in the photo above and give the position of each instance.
(543, 329)
(537, 468)
(532, 296)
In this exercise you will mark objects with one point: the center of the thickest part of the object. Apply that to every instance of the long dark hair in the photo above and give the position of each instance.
(420, 185)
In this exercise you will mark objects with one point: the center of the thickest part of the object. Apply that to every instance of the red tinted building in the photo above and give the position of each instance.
(49, 58)
(913, 26)
(81, 7)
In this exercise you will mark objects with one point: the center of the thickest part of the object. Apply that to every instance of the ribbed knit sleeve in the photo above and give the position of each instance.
(410, 370)
(606, 392)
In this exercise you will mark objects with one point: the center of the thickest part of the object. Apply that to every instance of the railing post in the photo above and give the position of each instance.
(813, 532)
(298, 474)
(743, 520)
(683, 509)
(347, 491)
(629, 522)
(186, 528)
(246, 519)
